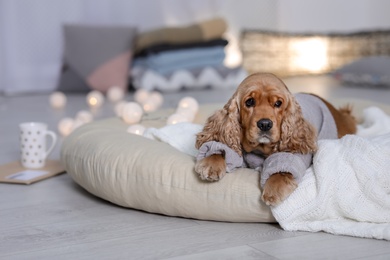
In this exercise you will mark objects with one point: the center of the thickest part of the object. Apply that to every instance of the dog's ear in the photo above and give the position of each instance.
(223, 126)
(297, 134)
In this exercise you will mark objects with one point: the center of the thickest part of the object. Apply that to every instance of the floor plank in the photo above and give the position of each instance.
(324, 246)
(145, 244)
(240, 252)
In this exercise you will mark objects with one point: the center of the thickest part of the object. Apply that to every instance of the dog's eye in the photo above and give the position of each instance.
(250, 102)
(278, 103)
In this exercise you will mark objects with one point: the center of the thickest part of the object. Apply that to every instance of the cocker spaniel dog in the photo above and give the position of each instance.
(265, 127)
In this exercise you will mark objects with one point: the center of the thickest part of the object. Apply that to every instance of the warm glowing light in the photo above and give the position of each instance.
(309, 54)
(150, 101)
(233, 52)
(132, 113)
(115, 93)
(65, 126)
(57, 99)
(149, 106)
(141, 95)
(95, 99)
(189, 103)
(157, 98)
(186, 112)
(136, 129)
(84, 116)
(176, 118)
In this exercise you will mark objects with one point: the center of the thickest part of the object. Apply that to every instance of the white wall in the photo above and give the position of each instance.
(245, 14)
(31, 36)
(332, 15)
(31, 39)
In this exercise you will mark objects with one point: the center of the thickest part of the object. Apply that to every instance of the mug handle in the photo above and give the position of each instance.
(54, 140)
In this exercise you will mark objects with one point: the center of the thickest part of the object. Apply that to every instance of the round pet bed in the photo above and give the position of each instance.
(135, 172)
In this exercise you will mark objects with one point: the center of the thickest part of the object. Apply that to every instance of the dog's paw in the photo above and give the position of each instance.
(211, 168)
(277, 188)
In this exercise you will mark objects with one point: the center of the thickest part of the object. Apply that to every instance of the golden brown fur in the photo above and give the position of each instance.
(345, 122)
(263, 116)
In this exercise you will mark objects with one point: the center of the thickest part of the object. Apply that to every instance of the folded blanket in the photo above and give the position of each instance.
(346, 192)
(170, 61)
(186, 131)
(347, 189)
(202, 31)
(202, 77)
(376, 122)
(170, 47)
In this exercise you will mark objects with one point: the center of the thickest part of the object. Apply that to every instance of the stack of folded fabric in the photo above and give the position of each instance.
(169, 59)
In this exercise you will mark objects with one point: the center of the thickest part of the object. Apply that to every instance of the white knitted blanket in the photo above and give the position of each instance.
(347, 190)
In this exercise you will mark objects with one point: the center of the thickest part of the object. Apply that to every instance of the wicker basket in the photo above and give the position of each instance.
(287, 54)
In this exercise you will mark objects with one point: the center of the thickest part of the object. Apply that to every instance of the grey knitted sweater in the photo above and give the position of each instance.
(314, 111)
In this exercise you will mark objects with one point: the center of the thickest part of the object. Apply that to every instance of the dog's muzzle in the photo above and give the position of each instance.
(264, 124)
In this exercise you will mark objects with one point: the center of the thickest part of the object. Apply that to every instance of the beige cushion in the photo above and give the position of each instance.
(136, 172)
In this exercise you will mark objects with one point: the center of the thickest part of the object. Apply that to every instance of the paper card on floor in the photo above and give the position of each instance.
(15, 173)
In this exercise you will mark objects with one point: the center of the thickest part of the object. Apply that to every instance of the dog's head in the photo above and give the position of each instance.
(262, 116)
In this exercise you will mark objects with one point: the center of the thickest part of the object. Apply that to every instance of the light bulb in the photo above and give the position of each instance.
(149, 105)
(115, 94)
(190, 103)
(153, 101)
(157, 98)
(65, 126)
(57, 99)
(186, 112)
(141, 95)
(84, 116)
(132, 113)
(119, 108)
(95, 99)
(136, 129)
(176, 118)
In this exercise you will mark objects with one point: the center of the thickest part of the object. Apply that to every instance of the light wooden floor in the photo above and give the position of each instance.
(56, 219)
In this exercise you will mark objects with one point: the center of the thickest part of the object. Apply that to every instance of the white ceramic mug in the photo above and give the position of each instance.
(33, 137)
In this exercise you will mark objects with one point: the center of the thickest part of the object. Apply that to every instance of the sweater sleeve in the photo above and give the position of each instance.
(317, 113)
(294, 163)
(253, 161)
(233, 159)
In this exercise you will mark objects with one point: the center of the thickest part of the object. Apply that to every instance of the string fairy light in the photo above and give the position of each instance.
(136, 129)
(115, 94)
(65, 126)
(132, 113)
(57, 99)
(84, 116)
(189, 103)
(95, 99)
(176, 118)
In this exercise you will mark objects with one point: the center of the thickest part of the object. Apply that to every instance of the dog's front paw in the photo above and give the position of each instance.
(277, 188)
(211, 168)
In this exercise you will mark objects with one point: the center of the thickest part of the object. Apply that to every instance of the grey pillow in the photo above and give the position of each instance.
(373, 70)
(96, 57)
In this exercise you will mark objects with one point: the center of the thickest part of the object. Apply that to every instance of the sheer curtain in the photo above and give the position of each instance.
(31, 32)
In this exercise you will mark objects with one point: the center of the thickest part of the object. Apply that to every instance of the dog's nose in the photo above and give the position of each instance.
(264, 124)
